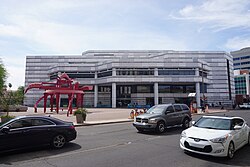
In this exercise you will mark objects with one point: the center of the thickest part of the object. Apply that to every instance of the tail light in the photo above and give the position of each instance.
(72, 127)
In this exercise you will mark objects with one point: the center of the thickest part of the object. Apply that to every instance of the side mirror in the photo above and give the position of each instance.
(193, 122)
(5, 129)
(237, 127)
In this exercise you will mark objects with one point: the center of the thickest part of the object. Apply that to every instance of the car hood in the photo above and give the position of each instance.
(203, 133)
(146, 115)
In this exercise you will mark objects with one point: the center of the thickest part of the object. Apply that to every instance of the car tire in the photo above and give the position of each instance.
(160, 128)
(140, 129)
(231, 150)
(185, 123)
(58, 141)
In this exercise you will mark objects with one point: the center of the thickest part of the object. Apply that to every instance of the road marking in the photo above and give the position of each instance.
(71, 153)
(152, 138)
(84, 151)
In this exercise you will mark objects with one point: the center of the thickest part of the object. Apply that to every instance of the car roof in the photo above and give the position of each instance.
(221, 117)
(55, 120)
(170, 104)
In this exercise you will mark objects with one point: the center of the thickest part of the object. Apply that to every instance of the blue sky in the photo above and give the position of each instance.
(70, 27)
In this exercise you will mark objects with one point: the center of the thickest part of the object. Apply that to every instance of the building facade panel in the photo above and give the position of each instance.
(125, 78)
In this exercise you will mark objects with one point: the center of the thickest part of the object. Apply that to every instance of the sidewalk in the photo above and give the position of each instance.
(95, 116)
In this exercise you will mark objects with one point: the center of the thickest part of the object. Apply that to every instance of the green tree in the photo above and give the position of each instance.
(3, 76)
(19, 95)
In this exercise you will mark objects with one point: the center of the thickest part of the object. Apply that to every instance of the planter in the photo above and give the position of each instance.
(80, 118)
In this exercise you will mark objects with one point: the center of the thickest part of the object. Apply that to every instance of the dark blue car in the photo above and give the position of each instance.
(33, 131)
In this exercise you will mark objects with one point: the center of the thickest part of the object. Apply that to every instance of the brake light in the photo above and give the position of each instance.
(72, 127)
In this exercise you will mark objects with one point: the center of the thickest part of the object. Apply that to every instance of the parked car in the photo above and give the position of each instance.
(161, 116)
(244, 106)
(216, 136)
(32, 131)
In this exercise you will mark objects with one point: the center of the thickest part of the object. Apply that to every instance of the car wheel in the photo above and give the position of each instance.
(185, 123)
(160, 128)
(58, 141)
(231, 150)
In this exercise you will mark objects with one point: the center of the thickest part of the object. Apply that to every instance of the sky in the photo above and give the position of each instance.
(70, 27)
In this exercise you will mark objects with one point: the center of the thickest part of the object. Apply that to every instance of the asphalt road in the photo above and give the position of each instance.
(120, 145)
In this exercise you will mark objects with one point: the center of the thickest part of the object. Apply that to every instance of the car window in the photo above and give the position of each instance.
(237, 121)
(184, 107)
(170, 109)
(20, 124)
(156, 109)
(41, 122)
(177, 108)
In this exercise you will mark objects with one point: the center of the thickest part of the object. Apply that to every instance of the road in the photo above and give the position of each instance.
(120, 145)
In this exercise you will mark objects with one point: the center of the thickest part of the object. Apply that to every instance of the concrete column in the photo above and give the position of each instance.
(197, 73)
(156, 93)
(156, 72)
(113, 95)
(247, 83)
(113, 71)
(95, 95)
(198, 96)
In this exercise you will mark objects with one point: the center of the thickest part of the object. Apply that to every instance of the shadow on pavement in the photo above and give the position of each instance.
(8, 158)
(169, 131)
(241, 158)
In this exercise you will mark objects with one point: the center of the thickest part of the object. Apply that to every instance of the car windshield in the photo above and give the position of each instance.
(156, 109)
(3, 125)
(213, 123)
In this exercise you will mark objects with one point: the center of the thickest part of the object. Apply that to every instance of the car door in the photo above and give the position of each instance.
(15, 137)
(170, 115)
(41, 131)
(238, 133)
(6, 140)
(178, 114)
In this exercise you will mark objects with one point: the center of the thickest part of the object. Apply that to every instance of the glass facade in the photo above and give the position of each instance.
(134, 71)
(177, 71)
(240, 85)
(104, 73)
(73, 74)
(176, 88)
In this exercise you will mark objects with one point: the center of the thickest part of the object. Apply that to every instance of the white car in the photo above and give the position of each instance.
(244, 106)
(216, 136)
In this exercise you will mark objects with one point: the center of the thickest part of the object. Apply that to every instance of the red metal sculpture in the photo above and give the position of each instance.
(63, 85)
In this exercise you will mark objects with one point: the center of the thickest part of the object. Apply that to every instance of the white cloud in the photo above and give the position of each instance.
(15, 67)
(237, 43)
(9, 30)
(222, 14)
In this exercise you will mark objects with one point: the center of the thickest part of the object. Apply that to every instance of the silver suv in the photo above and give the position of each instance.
(161, 116)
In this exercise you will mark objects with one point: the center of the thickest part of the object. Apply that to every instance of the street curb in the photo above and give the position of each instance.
(131, 120)
(101, 123)
(224, 111)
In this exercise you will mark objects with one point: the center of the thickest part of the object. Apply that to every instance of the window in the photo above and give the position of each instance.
(184, 107)
(177, 108)
(41, 122)
(238, 122)
(170, 109)
(20, 124)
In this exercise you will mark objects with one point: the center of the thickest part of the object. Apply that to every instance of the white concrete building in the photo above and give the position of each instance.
(123, 78)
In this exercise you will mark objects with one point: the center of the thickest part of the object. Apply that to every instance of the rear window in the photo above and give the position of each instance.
(184, 107)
